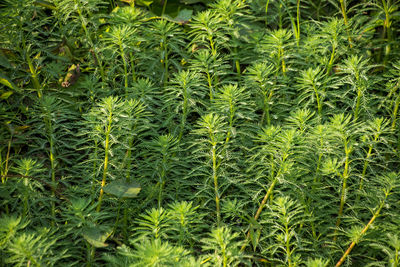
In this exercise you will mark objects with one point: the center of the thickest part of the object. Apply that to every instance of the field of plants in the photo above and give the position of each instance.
(199, 133)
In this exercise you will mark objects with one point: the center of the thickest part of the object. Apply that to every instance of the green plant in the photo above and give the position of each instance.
(390, 182)
(121, 39)
(285, 220)
(198, 133)
(345, 136)
(225, 247)
(259, 75)
(210, 147)
(213, 68)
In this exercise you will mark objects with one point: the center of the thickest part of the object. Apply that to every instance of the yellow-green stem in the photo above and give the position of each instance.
(395, 111)
(94, 166)
(165, 61)
(330, 64)
(164, 6)
(34, 75)
(209, 80)
(357, 110)
(386, 30)
(53, 177)
(369, 153)
(344, 13)
(237, 63)
(121, 50)
(184, 110)
(319, 104)
(287, 246)
(266, 12)
(215, 178)
(267, 99)
(212, 46)
(298, 23)
(363, 231)
(231, 116)
(225, 264)
(281, 53)
(5, 172)
(50, 133)
(260, 208)
(106, 152)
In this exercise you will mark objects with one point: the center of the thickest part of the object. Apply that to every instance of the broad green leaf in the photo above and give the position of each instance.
(122, 189)
(96, 237)
(190, 2)
(45, 4)
(143, 2)
(183, 16)
(6, 95)
(7, 82)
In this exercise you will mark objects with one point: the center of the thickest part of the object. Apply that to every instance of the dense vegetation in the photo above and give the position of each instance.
(218, 133)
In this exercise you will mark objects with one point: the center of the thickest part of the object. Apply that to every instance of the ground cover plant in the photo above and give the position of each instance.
(199, 133)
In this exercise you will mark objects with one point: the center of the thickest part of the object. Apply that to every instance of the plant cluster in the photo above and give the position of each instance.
(200, 133)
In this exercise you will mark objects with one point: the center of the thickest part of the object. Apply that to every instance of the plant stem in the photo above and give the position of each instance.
(53, 176)
(358, 102)
(165, 59)
(260, 208)
(162, 181)
(364, 230)
(266, 12)
(345, 176)
(184, 110)
(121, 50)
(267, 98)
(125, 230)
(330, 64)
(118, 215)
(237, 63)
(90, 254)
(298, 23)
(281, 54)
(212, 45)
(164, 6)
(50, 135)
(83, 24)
(343, 8)
(133, 67)
(215, 178)
(94, 166)
(280, 15)
(126, 163)
(386, 30)
(209, 80)
(287, 246)
(319, 102)
(34, 74)
(395, 111)
(231, 116)
(369, 153)
(106, 152)
(5, 171)
(224, 257)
